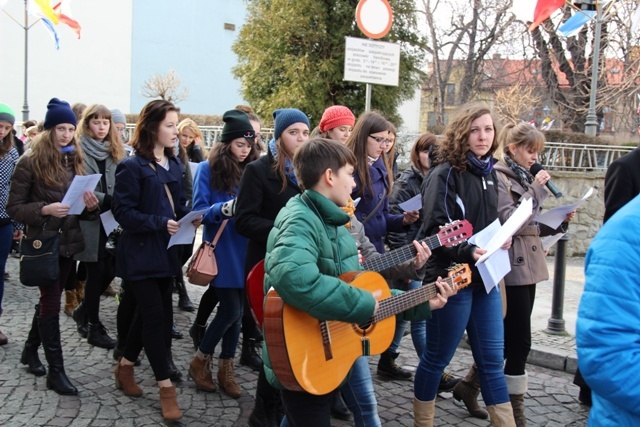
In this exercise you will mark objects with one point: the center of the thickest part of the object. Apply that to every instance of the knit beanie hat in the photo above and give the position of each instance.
(285, 117)
(7, 114)
(58, 112)
(236, 125)
(336, 116)
(118, 116)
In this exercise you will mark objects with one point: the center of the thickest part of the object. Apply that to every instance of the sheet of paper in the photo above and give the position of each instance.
(498, 265)
(554, 217)
(109, 223)
(508, 229)
(74, 196)
(413, 204)
(193, 166)
(549, 241)
(187, 231)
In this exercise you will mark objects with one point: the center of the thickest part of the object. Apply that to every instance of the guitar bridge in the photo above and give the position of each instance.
(326, 340)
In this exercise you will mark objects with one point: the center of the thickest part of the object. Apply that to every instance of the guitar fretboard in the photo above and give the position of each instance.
(399, 303)
(398, 256)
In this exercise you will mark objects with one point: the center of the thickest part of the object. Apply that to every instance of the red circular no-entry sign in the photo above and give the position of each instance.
(374, 18)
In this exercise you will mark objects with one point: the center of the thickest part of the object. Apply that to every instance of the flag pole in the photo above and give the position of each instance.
(25, 105)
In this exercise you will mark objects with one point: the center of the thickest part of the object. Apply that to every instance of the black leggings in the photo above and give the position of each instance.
(307, 410)
(517, 327)
(151, 327)
(99, 275)
(50, 294)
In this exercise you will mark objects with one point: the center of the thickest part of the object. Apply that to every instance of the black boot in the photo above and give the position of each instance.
(250, 356)
(268, 411)
(196, 332)
(184, 303)
(175, 333)
(30, 352)
(338, 409)
(81, 319)
(387, 367)
(57, 379)
(174, 373)
(98, 336)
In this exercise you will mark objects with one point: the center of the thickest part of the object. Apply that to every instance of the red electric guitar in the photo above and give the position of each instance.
(449, 235)
(315, 356)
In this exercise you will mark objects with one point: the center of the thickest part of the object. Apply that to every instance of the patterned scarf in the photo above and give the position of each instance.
(524, 176)
(481, 167)
(350, 210)
(288, 167)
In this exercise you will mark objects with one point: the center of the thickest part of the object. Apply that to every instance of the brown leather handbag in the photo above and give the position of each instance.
(203, 268)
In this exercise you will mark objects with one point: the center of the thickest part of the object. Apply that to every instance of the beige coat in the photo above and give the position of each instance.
(528, 264)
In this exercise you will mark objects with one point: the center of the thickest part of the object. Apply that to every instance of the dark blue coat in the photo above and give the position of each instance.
(142, 208)
(381, 221)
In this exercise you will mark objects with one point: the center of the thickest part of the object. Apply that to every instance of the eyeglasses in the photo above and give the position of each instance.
(380, 140)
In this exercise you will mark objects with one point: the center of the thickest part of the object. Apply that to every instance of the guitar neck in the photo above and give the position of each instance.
(399, 303)
(398, 256)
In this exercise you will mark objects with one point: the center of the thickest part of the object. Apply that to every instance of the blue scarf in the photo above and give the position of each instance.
(288, 167)
(481, 167)
(68, 149)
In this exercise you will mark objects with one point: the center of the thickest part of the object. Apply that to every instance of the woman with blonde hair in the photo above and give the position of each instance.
(191, 140)
(102, 152)
(39, 183)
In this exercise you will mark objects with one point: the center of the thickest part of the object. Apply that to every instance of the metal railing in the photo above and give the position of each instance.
(556, 156)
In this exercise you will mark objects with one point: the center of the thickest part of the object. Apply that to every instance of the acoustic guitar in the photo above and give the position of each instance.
(449, 235)
(315, 356)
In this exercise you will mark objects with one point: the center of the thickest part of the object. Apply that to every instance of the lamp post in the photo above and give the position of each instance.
(25, 105)
(591, 124)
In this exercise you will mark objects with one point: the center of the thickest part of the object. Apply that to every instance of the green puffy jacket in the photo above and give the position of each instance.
(307, 249)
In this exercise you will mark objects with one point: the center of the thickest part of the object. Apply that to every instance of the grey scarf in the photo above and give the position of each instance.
(97, 150)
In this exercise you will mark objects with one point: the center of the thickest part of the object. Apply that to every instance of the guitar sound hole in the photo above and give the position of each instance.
(364, 326)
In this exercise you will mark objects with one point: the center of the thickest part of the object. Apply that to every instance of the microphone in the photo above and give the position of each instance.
(537, 167)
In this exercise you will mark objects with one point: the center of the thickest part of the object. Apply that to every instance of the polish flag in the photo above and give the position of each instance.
(544, 9)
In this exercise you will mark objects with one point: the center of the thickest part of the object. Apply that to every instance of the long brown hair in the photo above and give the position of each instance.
(6, 143)
(455, 145)
(368, 123)
(47, 159)
(225, 170)
(425, 143)
(146, 133)
(98, 111)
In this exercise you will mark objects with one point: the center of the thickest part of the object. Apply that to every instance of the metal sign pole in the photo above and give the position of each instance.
(367, 99)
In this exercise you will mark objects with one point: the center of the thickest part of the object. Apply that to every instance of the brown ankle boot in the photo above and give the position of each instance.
(169, 403)
(468, 390)
(80, 289)
(70, 302)
(200, 372)
(227, 379)
(125, 380)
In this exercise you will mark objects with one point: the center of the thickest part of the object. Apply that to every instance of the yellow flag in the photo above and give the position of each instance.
(47, 10)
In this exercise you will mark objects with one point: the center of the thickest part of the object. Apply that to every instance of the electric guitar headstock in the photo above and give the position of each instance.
(455, 232)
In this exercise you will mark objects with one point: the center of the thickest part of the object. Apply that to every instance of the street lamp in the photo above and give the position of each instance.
(591, 124)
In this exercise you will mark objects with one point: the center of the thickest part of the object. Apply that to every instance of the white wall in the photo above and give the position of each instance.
(94, 69)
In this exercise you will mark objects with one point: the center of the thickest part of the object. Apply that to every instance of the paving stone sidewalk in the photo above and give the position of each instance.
(25, 400)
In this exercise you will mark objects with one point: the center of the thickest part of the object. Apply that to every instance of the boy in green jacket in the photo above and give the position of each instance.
(307, 249)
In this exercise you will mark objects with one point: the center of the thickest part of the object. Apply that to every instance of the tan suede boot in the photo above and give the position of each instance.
(227, 379)
(125, 380)
(501, 415)
(80, 289)
(468, 390)
(169, 403)
(70, 302)
(200, 372)
(423, 413)
(517, 386)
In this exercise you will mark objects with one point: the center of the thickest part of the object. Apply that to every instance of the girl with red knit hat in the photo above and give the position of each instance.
(337, 123)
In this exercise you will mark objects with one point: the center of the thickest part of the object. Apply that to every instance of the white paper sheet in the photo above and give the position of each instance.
(193, 166)
(496, 266)
(75, 194)
(413, 204)
(109, 223)
(508, 229)
(554, 217)
(549, 241)
(187, 231)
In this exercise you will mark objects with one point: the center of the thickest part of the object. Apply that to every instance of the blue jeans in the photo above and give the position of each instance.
(359, 395)
(6, 238)
(226, 324)
(481, 314)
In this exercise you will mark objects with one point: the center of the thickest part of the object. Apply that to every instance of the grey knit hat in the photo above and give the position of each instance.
(118, 116)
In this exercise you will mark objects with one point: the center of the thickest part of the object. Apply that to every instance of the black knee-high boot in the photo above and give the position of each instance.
(57, 379)
(30, 352)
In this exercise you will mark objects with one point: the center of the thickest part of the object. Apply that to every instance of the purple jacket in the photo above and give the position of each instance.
(381, 222)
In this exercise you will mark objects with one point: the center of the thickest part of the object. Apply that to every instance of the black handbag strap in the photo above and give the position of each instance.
(374, 210)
